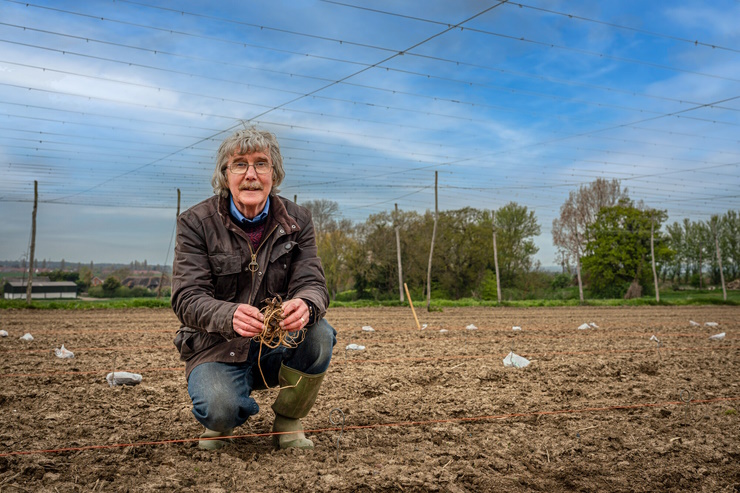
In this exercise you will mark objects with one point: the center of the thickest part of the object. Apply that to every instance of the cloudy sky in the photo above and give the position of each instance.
(112, 106)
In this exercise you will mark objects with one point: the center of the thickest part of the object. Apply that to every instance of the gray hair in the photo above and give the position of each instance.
(243, 141)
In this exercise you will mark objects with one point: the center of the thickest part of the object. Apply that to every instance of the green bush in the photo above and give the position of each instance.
(561, 281)
(488, 289)
(110, 285)
(350, 295)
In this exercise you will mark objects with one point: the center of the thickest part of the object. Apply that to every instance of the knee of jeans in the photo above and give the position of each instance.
(223, 411)
(321, 340)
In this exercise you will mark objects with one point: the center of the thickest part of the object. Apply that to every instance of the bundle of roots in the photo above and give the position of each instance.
(273, 335)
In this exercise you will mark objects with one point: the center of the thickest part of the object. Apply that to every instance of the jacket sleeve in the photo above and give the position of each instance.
(193, 291)
(307, 279)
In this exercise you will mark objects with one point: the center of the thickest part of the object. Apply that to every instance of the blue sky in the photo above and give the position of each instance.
(113, 106)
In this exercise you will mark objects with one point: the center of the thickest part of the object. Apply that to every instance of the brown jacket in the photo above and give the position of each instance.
(211, 277)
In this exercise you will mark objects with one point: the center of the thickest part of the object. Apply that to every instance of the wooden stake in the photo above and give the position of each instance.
(398, 254)
(411, 303)
(719, 256)
(29, 285)
(652, 256)
(431, 248)
(495, 257)
(161, 278)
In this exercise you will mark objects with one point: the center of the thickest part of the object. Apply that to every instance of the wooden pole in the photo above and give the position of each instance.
(578, 265)
(295, 198)
(398, 254)
(161, 278)
(495, 257)
(719, 259)
(411, 303)
(431, 249)
(652, 255)
(29, 284)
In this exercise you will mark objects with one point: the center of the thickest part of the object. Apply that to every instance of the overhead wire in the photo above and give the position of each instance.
(532, 167)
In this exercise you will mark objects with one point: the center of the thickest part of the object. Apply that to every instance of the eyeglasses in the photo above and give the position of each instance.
(260, 167)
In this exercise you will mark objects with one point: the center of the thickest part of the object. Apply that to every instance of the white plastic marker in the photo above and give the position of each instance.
(63, 352)
(515, 360)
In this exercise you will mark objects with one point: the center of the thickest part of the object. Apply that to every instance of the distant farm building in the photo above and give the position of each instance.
(150, 283)
(15, 290)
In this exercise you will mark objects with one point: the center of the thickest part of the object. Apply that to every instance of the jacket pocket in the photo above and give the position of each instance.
(278, 272)
(190, 342)
(225, 269)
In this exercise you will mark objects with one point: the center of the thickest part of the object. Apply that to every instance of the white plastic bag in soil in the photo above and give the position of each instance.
(63, 352)
(515, 360)
(355, 347)
(123, 378)
(718, 337)
(26, 337)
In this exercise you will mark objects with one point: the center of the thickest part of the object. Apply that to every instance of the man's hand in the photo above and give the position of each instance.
(295, 315)
(248, 321)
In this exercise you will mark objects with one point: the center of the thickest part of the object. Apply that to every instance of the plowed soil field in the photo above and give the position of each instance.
(598, 409)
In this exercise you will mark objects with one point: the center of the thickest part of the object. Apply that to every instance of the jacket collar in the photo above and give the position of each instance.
(278, 213)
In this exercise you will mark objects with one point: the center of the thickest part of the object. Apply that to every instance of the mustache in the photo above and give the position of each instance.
(251, 185)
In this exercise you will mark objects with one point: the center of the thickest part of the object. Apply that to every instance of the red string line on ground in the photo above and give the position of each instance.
(90, 372)
(370, 340)
(385, 425)
(83, 349)
(356, 360)
(105, 331)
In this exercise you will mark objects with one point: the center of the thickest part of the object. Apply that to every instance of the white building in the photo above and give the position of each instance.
(16, 290)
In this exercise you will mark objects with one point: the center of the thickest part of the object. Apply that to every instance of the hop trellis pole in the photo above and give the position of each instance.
(431, 249)
(29, 285)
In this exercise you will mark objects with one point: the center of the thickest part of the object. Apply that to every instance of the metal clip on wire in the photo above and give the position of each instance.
(341, 431)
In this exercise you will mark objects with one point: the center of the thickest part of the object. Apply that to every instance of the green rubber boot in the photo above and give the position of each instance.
(297, 395)
(214, 443)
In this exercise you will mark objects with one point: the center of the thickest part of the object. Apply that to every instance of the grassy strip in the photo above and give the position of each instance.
(78, 304)
(685, 299)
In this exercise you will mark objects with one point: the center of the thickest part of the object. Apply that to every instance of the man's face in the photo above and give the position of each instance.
(251, 189)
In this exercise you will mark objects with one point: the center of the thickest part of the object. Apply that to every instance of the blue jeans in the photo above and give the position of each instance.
(220, 391)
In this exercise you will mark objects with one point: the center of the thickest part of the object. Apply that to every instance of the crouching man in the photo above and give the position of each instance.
(235, 250)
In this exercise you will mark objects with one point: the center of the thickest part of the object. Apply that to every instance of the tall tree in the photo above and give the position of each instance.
(335, 247)
(729, 244)
(619, 248)
(698, 249)
(324, 213)
(462, 254)
(676, 241)
(335, 242)
(570, 231)
(515, 229)
(715, 224)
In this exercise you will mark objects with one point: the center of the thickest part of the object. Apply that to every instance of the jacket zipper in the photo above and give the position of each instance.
(254, 253)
